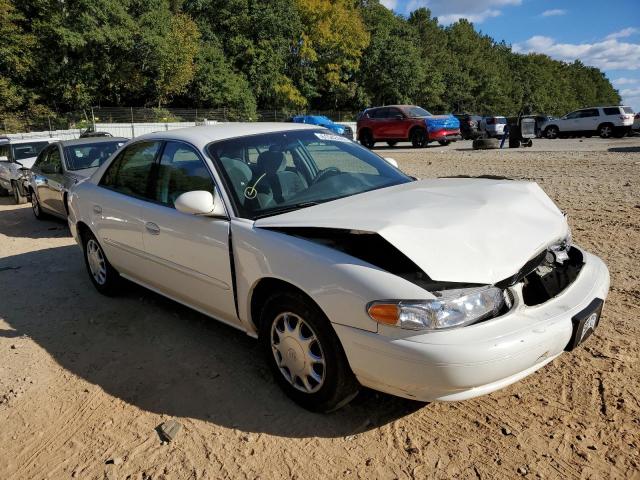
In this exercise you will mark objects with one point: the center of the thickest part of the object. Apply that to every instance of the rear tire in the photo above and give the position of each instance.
(18, 198)
(444, 143)
(304, 353)
(418, 138)
(366, 139)
(605, 130)
(103, 276)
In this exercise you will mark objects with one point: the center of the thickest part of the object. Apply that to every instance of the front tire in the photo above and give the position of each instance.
(552, 132)
(18, 198)
(103, 276)
(35, 207)
(304, 353)
(418, 138)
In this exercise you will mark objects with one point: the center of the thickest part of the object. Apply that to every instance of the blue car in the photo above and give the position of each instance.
(326, 122)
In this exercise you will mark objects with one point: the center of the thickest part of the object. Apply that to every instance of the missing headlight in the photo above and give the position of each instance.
(552, 276)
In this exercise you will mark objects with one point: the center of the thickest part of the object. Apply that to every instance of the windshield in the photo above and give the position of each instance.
(89, 155)
(418, 112)
(22, 151)
(271, 173)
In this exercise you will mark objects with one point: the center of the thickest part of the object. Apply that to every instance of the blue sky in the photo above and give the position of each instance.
(605, 34)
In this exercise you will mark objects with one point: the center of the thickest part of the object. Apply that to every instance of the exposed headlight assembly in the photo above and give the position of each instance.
(450, 308)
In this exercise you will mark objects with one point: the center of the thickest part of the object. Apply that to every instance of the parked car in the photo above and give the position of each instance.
(636, 122)
(322, 121)
(406, 123)
(348, 271)
(91, 133)
(493, 126)
(17, 156)
(613, 121)
(469, 125)
(60, 166)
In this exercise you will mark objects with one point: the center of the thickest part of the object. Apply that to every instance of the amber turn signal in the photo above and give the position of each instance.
(386, 313)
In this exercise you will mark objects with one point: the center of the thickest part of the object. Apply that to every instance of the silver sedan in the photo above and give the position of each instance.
(62, 165)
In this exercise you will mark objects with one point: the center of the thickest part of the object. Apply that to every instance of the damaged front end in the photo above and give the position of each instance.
(455, 304)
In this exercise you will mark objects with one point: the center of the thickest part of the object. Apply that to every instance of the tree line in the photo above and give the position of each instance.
(57, 56)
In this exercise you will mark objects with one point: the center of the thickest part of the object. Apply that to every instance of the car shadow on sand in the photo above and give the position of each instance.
(624, 149)
(18, 221)
(161, 356)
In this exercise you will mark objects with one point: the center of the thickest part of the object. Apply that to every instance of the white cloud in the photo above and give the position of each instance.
(608, 54)
(631, 97)
(390, 4)
(626, 81)
(449, 11)
(624, 33)
(472, 17)
(555, 12)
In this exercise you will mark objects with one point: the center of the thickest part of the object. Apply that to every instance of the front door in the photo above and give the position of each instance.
(188, 255)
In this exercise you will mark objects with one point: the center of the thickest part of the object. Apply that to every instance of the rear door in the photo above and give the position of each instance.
(380, 122)
(55, 180)
(188, 254)
(589, 120)
(397, 124)
(116, 204)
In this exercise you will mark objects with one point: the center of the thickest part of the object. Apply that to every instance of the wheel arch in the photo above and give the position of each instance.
(267, 286)
(362, 130)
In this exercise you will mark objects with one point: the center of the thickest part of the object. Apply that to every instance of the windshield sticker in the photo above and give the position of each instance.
(331, 137)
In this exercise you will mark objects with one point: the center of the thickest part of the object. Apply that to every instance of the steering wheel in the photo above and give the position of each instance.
(326, 173)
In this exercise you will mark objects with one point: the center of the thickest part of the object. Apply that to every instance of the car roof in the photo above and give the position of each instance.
(204, 135)
(91, 140)
(15, 141)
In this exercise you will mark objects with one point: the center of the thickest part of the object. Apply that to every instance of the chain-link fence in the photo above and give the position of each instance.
(90, 117)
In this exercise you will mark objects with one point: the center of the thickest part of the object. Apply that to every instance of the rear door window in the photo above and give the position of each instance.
(130, 172)
(612, 111)
(589, 112)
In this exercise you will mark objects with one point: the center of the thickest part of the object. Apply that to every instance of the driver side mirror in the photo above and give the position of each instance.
(392, 161)
(200, 202)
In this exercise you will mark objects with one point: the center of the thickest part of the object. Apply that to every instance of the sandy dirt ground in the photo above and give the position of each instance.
(85, 380)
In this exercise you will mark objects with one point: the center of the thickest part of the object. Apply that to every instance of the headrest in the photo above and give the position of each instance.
(234, 166)
(271, 162)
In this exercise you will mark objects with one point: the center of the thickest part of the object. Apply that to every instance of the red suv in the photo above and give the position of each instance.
(402, 123)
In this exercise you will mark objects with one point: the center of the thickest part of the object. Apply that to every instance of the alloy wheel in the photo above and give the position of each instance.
(96, 261)
(298, 353)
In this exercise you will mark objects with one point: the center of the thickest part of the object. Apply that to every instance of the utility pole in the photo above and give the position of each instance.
(93, 119)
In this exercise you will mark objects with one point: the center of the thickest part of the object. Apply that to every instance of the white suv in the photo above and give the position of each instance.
(605, 121)
(16, 154)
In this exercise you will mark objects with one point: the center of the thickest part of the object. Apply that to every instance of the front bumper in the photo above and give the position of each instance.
(463, 363)
(444, 135)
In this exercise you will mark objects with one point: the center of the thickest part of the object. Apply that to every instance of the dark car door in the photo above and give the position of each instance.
(50, 191)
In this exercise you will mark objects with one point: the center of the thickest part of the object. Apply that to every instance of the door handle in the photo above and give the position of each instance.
(152, 228)
(97, 209)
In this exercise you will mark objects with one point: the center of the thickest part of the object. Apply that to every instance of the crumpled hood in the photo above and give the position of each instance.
(28, 162)
(454, 229)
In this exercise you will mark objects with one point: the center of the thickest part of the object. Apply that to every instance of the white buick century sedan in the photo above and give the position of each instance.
(349, 272)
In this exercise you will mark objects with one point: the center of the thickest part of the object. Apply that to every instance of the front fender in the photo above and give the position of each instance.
(341, 285)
